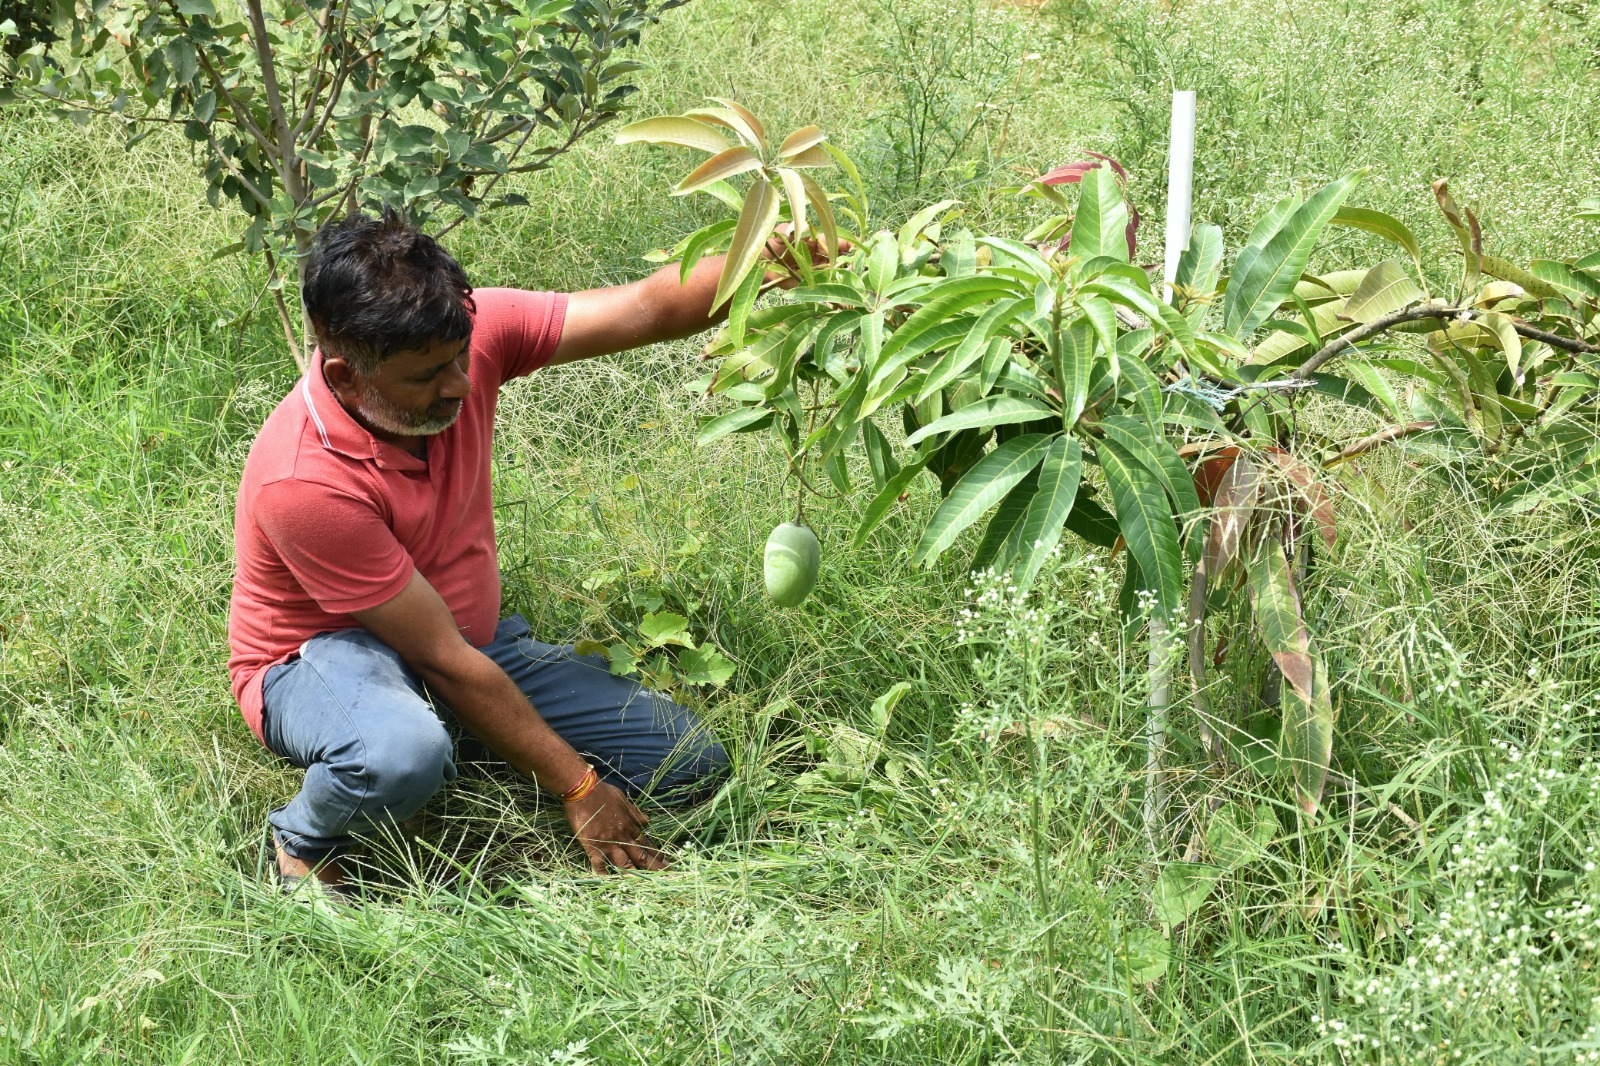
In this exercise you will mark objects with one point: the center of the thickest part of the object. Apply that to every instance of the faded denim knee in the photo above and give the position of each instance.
(402, 770)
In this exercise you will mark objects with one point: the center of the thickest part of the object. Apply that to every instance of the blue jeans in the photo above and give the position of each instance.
(349, 712)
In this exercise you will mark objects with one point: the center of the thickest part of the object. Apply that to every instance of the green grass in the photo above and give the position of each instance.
(985, 894)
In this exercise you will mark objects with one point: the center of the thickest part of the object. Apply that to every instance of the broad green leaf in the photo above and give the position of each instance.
(1276, 604)
(705, 666)
(732, 422)
(1103, 317)
(1076, 356)
(741, 306)
(1101, 224)
(1386, 288)
(1144, 955)
(1307, 738)
(998, 545)
(959, 358)
(685, 132)
(883, 261)
(880, 505)
(880, 455)
(1059, 476)
(1139, 298)
(1143, 386)
(1181, 889)
(1388, 227)
(756, 220)
(1146, 522)
(1256, 290)
(661, 628)
(801, 139)
(1149, 445)
(1377, 386)
(994, 411)
(1575, 285)
(1238, 835)
(1505, 335)
(719, 167)
(979, 489)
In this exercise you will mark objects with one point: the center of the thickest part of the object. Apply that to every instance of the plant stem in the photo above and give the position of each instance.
(1155, 792)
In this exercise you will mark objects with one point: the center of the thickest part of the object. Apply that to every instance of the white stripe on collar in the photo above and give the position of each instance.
(322, 430)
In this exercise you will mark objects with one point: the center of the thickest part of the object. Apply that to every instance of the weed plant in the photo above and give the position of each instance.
(957, 877)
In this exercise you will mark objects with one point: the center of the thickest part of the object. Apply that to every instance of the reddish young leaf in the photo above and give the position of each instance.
(1073, 173)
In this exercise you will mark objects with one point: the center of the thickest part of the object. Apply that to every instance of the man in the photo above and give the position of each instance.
(366, 592)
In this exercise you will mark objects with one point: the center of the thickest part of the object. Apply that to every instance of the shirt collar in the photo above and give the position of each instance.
(338, 431)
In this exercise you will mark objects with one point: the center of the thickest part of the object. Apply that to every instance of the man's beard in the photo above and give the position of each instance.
(381, 414)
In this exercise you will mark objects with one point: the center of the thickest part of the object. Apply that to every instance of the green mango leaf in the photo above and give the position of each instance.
(1150, 446)
(979, 489)
(995, 411)
(1386, 288)
(883, 707)
(1575, 285)
(1059, 476)
(732, 422)
(1388, 227)
(1101, 224)
(1307, 740)
(1146, 522)
(973, 346)
(880, 455)
(997, 547)
(1260, 285)
(879, 506)
(1182, 888)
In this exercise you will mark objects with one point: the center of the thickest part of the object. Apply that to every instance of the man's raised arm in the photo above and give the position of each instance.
(654, 309)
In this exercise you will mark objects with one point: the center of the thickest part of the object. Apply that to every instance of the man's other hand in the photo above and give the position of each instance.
(611, 830)
(780, 250)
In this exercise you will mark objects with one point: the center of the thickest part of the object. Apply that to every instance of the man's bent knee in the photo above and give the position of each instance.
(404, 770)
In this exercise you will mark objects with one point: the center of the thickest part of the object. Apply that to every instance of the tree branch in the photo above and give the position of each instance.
(1554, 340)
(1376, 326)
(1383, 436)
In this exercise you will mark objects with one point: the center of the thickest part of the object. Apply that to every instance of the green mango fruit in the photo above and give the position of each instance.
(792, 559)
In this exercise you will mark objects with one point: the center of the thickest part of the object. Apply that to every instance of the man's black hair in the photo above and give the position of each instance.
(376, 286)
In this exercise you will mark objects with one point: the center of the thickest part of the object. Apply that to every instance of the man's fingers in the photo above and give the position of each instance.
(597, 861)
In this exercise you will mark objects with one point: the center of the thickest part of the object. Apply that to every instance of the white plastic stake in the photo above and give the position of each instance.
(1180, 183)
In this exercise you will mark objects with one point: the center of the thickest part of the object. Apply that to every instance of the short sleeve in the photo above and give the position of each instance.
(337, 546)
(517, 330)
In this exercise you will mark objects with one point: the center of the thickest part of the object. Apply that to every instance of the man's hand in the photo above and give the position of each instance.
(611, 830)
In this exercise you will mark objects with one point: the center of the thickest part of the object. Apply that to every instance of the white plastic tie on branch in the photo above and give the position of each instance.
(1180, 183)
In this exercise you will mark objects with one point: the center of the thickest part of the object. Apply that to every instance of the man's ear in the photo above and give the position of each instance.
(341, 378)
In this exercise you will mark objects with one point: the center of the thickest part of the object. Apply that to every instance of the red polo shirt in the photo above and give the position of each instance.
(331, 520)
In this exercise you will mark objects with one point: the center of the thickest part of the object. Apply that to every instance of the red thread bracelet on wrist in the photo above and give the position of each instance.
(585, 785)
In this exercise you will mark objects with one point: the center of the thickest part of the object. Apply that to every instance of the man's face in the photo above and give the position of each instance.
(415, 392)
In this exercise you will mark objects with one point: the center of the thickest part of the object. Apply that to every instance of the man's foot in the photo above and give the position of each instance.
(294, 872)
